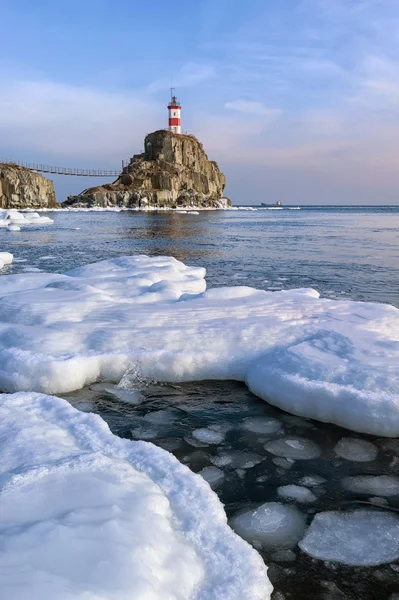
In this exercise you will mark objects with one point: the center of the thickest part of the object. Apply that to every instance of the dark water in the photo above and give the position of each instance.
(341, 252)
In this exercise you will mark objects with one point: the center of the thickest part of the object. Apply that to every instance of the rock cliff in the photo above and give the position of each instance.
(22, 188)
(173, 171)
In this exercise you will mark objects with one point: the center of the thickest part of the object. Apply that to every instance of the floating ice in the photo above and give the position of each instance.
(12, 218)
(162, 417)
(284, 463)
(6, 258)
(212, 475)
(296, 448)
(261, 425)
(296, 492)
(237, 459)
(359, 538)
(283, 556)
(13, 228)
(271, 525)
(311, 480)
(86, 514)
(208, 436)
(317, 358)
(377, 485)
(356, 450)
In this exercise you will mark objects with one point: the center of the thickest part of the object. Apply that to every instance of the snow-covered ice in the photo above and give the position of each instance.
(359, 537)
(13, 218)
(356, 450)
(296, 448)
(87, 514)
(296, 492)
(6, 258)
(272, 525)
(335, 361)
(377, 485)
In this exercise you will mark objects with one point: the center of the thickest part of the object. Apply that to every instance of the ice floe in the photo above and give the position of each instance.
(6, 258)
(360, 537)
(270, 526)
(296, 448)
(356, 450)
(335, 361)
(12, 219)
(261, 425)
(377, 485)
(213, 476)
(296, 492)
(208, 436)
(86, 514)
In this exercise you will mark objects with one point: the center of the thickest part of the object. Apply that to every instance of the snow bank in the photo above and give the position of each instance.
(86, 514)
(13, 218)
(335, 361)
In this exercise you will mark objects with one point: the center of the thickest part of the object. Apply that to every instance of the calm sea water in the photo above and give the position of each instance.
(341, 252)
(351, 252)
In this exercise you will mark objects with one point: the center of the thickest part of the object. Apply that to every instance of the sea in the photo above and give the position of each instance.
(342, 252)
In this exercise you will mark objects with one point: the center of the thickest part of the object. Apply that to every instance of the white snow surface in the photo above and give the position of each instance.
(360, 538)
(335, 361)
(85, 514)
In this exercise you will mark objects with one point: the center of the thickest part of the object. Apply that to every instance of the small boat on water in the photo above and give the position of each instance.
(277, 204)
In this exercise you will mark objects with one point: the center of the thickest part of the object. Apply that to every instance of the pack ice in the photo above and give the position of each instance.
(85, 514)
(335, 361)
(13, 218)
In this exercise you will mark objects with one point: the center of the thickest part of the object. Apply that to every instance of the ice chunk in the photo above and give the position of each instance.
(296, 448)
(237, 459)
(208, 436)
(356, 450)
(144, 433)
(13, 228)
(296, 492)
(377, 485)
(284, 463)
(85, 514)
(261, 425)
(283, 556)
(6, 258)
(162, 417)
(311, 480)
(272, 525)
(360, 538)
(212, 475)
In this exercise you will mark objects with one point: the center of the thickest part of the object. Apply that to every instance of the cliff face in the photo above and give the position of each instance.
(173, 171)
(22, 188)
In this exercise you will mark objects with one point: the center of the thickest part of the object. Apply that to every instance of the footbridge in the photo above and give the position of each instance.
(63, 170)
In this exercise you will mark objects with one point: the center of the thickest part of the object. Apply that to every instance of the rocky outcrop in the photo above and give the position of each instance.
(22, 188)
(173, 171)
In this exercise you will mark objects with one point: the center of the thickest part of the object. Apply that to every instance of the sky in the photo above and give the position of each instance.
(297, 100)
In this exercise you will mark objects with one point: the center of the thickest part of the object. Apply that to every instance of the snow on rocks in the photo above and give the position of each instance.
(356, 450)
(270, 526)
(6, 258)
(75, 498)
(334, 361)
(12, 219)
(376, 485)
(296, 492)
(295, 448)
(359, 538)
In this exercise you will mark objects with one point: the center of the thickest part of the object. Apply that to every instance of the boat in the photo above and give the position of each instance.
(277, 204)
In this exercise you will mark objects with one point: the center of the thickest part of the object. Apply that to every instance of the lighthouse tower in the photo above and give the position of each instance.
(174, 109)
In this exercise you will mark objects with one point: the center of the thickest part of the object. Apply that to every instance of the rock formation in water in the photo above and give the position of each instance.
(173, 171)
(22, 188)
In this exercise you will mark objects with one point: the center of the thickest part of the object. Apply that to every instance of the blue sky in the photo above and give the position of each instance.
(296, 100)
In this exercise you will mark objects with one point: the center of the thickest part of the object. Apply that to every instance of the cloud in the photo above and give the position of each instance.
(53, 119)
(253, 108)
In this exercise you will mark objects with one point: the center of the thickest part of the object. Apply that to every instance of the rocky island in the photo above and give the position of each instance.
(172, 172)
(22, 188)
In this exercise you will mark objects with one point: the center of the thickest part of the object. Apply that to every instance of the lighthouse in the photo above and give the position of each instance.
(174, 109)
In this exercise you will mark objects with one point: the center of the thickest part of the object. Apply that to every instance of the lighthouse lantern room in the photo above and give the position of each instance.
(174, 109)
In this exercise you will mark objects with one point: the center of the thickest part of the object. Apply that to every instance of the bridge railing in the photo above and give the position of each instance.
(61, 170)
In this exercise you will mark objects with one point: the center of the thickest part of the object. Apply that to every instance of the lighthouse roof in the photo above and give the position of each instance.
(174, 103)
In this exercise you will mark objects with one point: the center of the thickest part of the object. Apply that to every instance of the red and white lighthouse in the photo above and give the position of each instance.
(174, 109)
